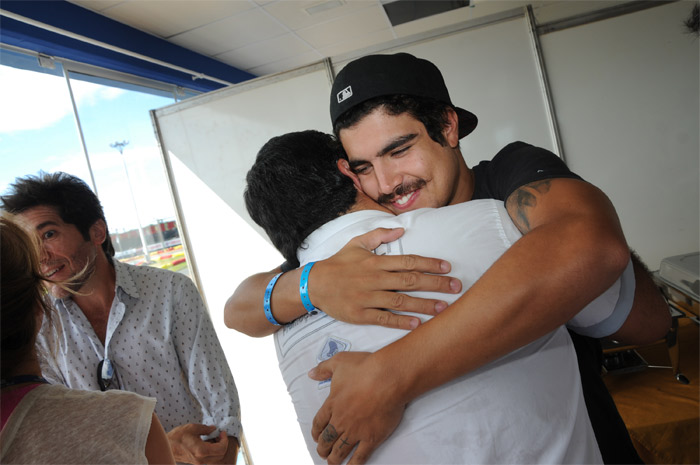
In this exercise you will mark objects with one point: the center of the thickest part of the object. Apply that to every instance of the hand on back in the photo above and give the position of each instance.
(357, 286)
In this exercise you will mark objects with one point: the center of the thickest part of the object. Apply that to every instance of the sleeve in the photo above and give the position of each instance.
(203, 361)
(606, 314)
(514, 166)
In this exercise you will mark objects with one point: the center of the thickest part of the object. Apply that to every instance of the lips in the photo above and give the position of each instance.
(52, 271)
(405, 201)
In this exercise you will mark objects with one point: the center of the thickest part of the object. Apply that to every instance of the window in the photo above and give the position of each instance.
(108, 142)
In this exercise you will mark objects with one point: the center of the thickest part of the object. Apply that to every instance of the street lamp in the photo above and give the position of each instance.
(120, 146)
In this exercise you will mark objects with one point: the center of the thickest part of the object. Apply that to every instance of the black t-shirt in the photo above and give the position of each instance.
(514, 166)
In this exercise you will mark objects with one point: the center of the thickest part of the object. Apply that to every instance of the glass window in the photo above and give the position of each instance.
(39, 132)
(128, 169)
(37, 127)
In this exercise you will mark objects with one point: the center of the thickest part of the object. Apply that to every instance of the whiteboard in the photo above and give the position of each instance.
(210, 142)
(626, 96)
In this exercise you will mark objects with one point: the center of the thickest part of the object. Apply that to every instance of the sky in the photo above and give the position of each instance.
(38, 132)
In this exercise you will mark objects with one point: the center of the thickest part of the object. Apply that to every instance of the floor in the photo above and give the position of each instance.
(662, 414)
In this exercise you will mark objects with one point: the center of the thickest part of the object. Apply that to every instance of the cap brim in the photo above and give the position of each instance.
(467, 121)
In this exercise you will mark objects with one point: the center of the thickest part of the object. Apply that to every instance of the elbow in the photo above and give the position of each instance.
(229, 314)
(237, 318)
(614, 255)
(602, 254)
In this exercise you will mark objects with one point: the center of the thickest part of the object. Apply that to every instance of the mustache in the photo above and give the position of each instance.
(401, 190)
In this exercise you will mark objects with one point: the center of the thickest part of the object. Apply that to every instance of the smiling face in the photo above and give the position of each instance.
(65, 254)
(394, 161)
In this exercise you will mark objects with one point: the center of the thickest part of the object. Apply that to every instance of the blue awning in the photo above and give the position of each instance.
(75, 19)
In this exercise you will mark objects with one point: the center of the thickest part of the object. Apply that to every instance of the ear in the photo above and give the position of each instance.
(98, 232)
(451, 130)
(344, 168)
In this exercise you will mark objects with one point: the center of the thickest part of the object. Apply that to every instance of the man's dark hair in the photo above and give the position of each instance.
(72, 199)
(295, 186)
(432, 113)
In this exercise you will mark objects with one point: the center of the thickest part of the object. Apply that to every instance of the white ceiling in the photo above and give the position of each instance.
(270, 36)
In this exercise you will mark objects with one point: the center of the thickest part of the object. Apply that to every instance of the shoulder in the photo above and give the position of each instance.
(523, 155)
(516, 165)
(144, 276)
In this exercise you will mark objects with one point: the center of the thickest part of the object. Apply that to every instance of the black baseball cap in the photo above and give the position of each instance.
(401, 73)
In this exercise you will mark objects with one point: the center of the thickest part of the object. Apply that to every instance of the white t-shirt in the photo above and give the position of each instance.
(54, 424)
(526, 407)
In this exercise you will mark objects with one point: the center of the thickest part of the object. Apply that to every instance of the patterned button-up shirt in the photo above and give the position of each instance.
(161, 342)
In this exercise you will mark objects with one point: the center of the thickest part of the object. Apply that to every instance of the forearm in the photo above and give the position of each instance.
(244, 309)
(232, 451)
(354, 286)
(649, 319)
(536, 286)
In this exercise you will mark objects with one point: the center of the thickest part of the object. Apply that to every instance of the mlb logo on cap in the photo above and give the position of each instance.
(345, 94)
(401, 73)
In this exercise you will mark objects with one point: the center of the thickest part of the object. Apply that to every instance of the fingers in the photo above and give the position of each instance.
(322, 372)
(361, 454)
(336, 447)
(200, 430)
(397, 301)
(320, 420)
(413, 263)
(341, 449)
(375, 238)
(326, 440)
(222, 439)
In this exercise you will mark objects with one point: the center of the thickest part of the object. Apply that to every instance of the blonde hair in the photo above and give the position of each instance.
(22, 295)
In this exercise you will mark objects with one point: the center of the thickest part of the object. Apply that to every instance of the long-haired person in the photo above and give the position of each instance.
(50, 423)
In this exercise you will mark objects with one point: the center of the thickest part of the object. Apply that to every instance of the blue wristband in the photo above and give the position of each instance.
(266, 301)
(304, 287)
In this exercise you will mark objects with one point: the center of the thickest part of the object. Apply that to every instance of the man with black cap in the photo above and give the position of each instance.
(401, 132)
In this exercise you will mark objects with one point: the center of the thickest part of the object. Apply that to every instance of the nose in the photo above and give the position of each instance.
(44, 254)
(387, 180)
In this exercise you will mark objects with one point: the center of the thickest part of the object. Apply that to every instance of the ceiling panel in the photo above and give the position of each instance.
(287, 64)
(97, 5)
(349, 27)
(293, 12)
(231, 33)
(365, 41)
(168, 18)
(269, 51)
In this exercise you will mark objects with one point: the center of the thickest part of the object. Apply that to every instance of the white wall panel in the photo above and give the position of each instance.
(211, 141)
(626, 95)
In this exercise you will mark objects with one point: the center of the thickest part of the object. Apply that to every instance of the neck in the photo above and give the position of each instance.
(364, 202)
(464, 185)
(29, 366)
(97, 294)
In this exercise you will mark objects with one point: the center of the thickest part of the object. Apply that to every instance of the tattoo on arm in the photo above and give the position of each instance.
(522, 200)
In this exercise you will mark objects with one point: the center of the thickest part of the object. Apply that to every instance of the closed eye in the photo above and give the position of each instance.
(400, 152)
(361, 170)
